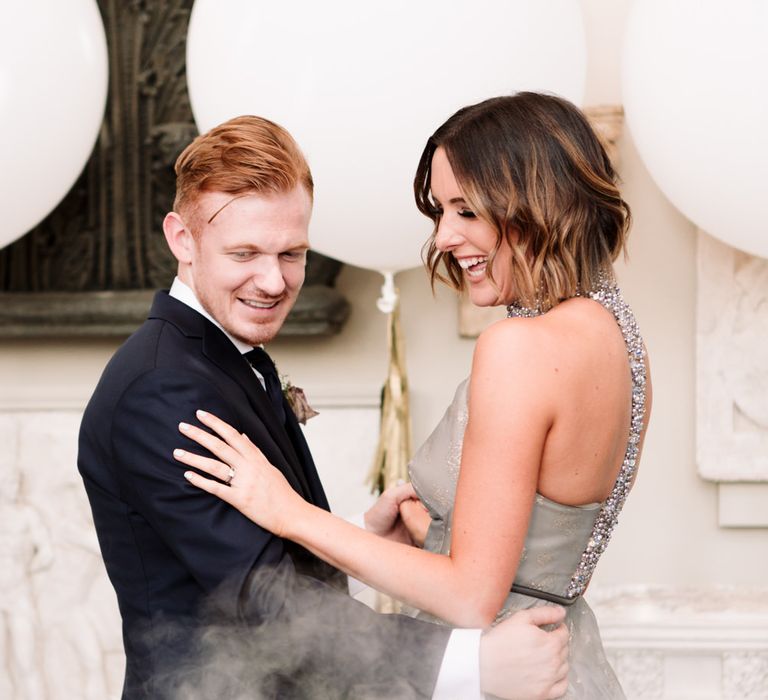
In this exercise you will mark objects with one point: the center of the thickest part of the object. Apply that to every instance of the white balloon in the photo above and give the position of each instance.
(696, 101)
(53, 90)
(362, 85)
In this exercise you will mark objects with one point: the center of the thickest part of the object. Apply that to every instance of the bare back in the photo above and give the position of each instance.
(586, 443)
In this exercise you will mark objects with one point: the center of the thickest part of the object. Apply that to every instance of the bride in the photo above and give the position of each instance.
(523, 479)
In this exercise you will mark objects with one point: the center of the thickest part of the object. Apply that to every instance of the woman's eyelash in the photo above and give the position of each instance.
(436, 210)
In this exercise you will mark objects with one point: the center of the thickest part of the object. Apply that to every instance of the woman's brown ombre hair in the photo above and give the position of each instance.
(531, 165)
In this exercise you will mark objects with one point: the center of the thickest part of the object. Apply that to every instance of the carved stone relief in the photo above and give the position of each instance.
(745, 676)
(731, 369)
(641, 673)
(60, 635)
(106, 235)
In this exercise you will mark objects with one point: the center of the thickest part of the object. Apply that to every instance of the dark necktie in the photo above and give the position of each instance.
(263, 364)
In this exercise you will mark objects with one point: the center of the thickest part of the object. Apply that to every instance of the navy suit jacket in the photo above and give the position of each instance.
(175, 553)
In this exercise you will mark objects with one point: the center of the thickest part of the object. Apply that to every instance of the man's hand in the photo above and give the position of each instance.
(416, 519)
(520, 661)
(383, 517)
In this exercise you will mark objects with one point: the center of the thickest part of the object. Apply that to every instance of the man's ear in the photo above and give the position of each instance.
(178, 237)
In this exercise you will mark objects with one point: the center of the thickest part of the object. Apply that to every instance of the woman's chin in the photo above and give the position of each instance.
(485, 298)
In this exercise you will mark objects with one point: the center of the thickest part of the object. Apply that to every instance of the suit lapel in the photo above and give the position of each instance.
(217, 348)
(297, 437)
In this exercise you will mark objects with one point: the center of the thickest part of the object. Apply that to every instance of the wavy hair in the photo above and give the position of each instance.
(531, 163)
(245, 154)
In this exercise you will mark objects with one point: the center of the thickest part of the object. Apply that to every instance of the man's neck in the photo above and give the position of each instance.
(184, 293)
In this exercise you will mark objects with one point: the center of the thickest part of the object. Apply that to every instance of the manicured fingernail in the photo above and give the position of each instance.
(184, 427)
(188, 475)
(201, 414)
(179, 453)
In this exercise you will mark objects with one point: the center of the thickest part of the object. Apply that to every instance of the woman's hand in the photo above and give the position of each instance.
(251, 484)
(416, 520)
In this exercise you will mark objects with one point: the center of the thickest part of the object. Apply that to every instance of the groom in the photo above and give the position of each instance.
(180, 559)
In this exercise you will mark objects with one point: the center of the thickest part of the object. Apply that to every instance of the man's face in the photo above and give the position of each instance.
(247, 264)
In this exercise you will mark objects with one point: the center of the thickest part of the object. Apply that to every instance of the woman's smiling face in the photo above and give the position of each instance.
(469, 239)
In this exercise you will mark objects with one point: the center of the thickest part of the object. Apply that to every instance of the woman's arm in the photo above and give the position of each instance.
(510, 416)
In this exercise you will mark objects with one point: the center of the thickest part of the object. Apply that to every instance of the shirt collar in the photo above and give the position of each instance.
(181, 292)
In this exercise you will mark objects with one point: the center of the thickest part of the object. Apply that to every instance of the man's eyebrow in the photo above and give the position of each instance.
(245, 245)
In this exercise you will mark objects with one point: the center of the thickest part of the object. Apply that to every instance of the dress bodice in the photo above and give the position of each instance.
(563, 543)
(557, 534)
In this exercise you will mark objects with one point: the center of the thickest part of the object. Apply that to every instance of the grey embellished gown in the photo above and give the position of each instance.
(563, 543)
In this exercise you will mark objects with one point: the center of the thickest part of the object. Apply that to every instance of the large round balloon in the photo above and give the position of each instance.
(362, 85)
(696, 102)
(53, 90)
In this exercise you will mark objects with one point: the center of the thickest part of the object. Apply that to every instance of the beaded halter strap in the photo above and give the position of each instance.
(608, 295)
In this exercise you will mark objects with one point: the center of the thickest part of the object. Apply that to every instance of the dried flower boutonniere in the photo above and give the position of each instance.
(297, 400)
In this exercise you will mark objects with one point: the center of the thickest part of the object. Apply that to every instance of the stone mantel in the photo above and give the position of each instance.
(677, 643)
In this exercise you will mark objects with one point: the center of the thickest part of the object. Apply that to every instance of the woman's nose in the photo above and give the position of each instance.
(448, 236)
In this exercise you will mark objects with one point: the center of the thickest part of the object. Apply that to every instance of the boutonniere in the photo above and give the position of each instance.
(297, 400)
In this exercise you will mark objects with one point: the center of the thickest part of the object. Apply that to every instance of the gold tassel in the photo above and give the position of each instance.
(393, 451)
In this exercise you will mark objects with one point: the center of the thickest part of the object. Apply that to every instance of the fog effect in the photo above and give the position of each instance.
(291, 637)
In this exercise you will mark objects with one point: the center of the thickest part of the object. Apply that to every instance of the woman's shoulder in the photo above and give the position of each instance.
(578, 327)
(516, 349)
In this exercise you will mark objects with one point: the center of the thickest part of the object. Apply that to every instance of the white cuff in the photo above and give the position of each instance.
(459, 675)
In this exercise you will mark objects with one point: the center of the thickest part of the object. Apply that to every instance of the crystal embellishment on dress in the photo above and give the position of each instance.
(609, 296)
(515, 310)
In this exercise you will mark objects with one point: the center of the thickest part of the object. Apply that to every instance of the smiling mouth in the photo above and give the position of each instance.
(253, 304)
(475, 266)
